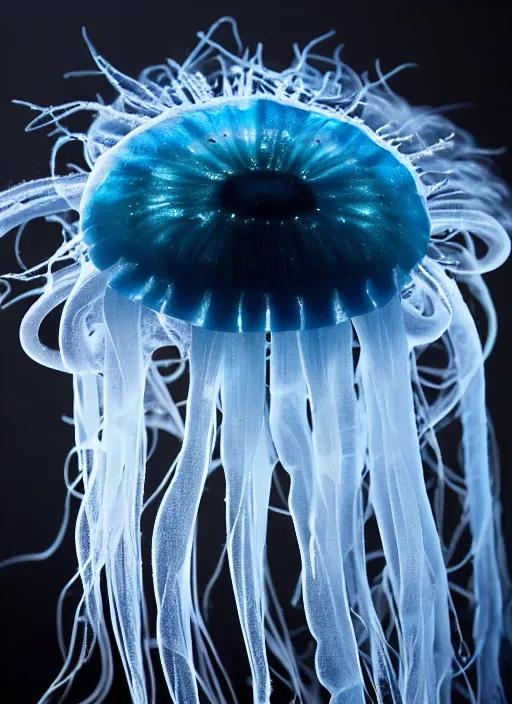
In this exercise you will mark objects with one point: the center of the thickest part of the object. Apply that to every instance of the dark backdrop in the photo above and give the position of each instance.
(463, 48)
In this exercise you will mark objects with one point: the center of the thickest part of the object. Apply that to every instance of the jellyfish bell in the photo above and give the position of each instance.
(303, 261)
(255, 214)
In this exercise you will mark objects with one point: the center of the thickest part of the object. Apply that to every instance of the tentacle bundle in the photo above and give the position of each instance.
(354, 412)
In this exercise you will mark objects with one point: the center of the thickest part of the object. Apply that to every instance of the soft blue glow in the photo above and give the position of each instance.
(253, 201)
(227, 207)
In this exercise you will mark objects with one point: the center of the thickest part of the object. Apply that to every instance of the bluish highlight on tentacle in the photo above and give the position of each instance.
(174, 527)
(329, 367)
(88, 395)
(311, 496)
(337, 656)
(113, 470)
(124, 445)
(488, 627)
(248, 470)
(398, 495)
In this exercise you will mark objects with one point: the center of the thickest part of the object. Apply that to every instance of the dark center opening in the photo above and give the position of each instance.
(266, 194)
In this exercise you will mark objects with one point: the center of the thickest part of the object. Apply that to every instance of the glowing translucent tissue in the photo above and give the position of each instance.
(307, 241)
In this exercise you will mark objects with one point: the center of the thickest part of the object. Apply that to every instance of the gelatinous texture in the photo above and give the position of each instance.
(240, 211)
(254, 215)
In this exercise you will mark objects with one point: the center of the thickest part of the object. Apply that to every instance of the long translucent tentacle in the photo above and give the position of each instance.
(113, 468)
(174, 527)
(88, 536)
(124, 445)
(248, 470)
(337, 409)
(39, 199)
(488, 621)
(408, 533)
(333, 508)
(61, 286)
(314, 518)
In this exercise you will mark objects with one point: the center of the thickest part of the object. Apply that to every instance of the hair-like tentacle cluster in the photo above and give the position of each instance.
(368, 636)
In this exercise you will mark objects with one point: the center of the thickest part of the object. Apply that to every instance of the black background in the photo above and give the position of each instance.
(463, 49)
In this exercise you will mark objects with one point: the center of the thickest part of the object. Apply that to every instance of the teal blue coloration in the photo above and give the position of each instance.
(255, 214)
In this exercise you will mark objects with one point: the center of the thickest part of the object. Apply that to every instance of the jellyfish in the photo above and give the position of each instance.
(309, 249)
